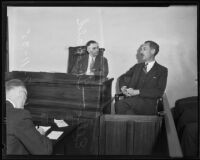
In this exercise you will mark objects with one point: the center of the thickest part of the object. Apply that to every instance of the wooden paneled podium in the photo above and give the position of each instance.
(76, 99)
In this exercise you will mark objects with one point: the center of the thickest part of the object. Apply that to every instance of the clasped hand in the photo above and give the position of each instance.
(129, 91)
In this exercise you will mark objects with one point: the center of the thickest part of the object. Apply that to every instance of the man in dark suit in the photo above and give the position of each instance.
(143, 84)
(92, 63)
(21, 135)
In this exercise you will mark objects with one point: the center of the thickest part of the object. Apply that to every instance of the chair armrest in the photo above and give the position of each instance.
(160, 107)
(118, 95)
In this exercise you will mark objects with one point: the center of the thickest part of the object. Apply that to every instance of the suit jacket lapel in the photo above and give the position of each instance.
(97, 61)
(136, 75)
(85, 63)
(153, 70)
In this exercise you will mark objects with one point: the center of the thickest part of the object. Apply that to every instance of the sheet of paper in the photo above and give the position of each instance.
(60, 123)
(54, 134)
(45, 128)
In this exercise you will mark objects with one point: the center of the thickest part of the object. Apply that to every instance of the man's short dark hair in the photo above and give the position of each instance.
(90, 42)
(153, 45)
(14, 83)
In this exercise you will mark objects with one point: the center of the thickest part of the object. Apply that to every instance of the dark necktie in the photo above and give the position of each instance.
(145, 67)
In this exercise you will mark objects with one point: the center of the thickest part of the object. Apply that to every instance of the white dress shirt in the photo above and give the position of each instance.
(150, 65)
(89, 64)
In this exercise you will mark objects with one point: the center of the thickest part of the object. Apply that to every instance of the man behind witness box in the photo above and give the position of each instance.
(22, 136)
(92, 63)
(143, 84)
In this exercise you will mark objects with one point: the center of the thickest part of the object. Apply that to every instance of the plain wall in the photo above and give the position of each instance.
(39, 38)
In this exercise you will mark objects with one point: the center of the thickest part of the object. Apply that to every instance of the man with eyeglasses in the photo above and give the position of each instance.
(93, 63)
(22, 137)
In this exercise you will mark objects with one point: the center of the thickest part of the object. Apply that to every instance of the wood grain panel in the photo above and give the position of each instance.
(84, 141)
(129, 134)
(115, 138)
(65, 90)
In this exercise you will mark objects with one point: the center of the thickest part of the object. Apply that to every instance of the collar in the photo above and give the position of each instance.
(150, 65)
(11, 102)
(91, 57)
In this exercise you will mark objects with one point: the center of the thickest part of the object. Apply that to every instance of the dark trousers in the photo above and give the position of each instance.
(136, 106)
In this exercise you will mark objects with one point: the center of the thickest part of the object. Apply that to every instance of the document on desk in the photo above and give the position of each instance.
(54, 134)
(60, 123)
(44, 128)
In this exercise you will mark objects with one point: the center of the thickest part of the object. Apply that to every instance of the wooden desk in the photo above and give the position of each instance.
(59, 145)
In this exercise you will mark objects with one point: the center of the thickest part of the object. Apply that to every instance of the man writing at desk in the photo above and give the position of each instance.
(21, 135)
(92, 63)
(143, 84)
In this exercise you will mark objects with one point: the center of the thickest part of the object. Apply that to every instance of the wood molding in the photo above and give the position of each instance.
(172, 137)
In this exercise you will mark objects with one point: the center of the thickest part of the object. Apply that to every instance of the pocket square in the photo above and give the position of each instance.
(154, 77)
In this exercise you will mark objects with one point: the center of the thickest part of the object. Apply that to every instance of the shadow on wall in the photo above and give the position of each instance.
(139, 60)
(138, 55)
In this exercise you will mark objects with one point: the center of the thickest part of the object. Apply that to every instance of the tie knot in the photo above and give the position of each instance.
(92, 63)
(145, 67)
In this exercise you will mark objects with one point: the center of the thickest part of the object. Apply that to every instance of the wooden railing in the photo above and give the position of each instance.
(174, 147)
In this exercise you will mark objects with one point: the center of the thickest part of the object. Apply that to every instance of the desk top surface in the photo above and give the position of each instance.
(66, 130)
(35, 77)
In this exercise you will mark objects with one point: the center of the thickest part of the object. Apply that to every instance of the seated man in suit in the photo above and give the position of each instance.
(21, 135)
(143, 84)
(92, 63)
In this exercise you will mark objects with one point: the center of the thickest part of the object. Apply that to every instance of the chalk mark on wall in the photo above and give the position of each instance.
(101, 27)
(25, 45)
(81, 30)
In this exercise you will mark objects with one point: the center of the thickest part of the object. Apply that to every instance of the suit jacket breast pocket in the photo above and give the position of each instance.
(154, 80)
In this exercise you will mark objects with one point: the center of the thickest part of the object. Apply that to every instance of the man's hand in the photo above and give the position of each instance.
(41, 130)
(92, 71)
(132, 92)
(124, 90)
